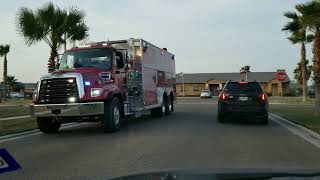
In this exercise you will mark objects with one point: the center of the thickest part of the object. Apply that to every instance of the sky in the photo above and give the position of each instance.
(206, 36)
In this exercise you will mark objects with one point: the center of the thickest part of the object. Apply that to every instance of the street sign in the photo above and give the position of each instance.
(281, 76)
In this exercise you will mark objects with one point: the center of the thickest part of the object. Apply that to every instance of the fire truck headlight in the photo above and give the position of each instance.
(72, 99)
(96, 92)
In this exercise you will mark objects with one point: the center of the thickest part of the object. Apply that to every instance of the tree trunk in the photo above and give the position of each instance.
(316, 71)
(52, 62)
(304, 73)
(5, 69)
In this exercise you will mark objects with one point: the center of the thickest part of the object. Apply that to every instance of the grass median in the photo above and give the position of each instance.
(12, 111)
(16, 101)
(290, 100)
(17, 125)
(301, 114)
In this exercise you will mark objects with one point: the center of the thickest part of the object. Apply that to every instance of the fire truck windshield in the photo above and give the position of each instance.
(99, 58)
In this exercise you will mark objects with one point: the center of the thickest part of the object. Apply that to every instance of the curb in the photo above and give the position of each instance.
(15, 117)
(301, 131)
(29, 133)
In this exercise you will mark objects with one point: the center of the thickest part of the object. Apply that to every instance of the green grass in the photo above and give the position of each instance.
(301, 114)
(290, 100)
(11, 111)
(15, 101)
(16, 126)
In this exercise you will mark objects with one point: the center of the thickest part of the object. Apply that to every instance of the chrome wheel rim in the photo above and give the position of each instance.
(116, 115)
(163, 109)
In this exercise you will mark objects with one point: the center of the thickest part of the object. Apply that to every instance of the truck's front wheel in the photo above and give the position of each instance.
(48, 125)
(112, 116)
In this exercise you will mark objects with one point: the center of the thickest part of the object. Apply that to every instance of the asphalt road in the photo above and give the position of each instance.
(191, 138)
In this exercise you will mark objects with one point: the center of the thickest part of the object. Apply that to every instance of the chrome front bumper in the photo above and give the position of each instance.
(67, 110)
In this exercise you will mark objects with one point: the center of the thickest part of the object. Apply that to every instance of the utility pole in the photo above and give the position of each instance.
(183, 84)
(182, 78)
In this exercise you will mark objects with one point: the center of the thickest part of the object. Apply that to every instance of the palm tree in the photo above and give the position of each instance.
(4, 50)
(299, 35)
(11, 81)
(297, 72)
(52, 25)
(311, 19)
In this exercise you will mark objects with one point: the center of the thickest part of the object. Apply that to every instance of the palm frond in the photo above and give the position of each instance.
(309, 38)
(310, 14)
(292, 26)
(291, 15)
(29, 26)
(75, 26)
(6, 49)
(52, 25)
(45, 15)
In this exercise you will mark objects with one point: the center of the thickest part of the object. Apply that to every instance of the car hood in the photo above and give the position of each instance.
(213, 174)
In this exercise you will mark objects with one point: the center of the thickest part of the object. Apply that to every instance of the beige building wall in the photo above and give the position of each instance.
(274, 87)
(190, 89)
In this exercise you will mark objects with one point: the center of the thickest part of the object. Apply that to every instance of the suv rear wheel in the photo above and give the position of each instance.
(48, 125)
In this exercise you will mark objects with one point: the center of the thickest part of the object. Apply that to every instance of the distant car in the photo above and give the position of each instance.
(205, 94)
(243, 99)
(16, 95)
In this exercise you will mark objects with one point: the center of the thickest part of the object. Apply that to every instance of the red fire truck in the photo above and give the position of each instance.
(108, 82)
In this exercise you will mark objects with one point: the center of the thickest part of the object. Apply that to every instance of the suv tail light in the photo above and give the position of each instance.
(223, 96)
(264, 97)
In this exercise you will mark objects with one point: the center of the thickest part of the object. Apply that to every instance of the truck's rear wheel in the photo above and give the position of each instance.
(159, 111)
(48, 125)
(172, 104)
(169, 105)
(111, 121)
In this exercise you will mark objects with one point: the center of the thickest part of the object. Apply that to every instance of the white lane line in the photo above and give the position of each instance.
(305, 133)
(34, 132)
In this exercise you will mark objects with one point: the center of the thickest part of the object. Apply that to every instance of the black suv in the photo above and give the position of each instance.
(243, 99)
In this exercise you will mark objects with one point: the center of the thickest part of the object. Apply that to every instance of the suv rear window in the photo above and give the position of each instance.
(243, 88)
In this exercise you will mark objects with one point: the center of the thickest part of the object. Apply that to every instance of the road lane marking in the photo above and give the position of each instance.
(31, 133)
(305, 133)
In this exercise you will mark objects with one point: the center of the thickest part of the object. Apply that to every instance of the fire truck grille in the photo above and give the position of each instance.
(58, 91)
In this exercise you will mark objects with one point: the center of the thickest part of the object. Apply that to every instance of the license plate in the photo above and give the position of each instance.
(243, 98)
